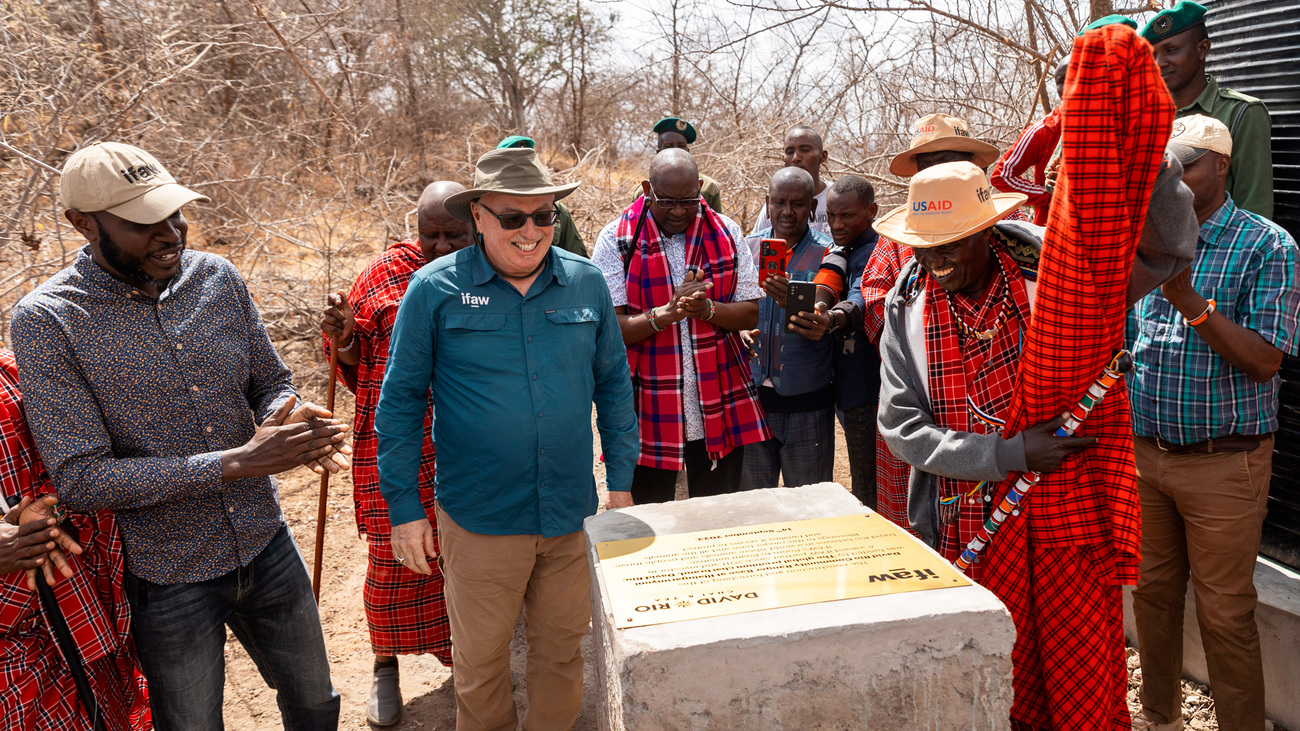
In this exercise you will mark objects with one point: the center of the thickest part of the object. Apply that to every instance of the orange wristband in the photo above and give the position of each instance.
(1209, 310)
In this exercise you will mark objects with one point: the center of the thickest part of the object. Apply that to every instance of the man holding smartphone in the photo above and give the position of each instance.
(792, 372)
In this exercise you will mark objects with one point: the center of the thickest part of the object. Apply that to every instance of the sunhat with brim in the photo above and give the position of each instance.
(935, 132)
(512, 171)
(946, 202)
(124, 181)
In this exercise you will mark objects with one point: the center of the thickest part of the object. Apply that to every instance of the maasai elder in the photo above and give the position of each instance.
(1205, 387)
(673, 132)
(405, 610)
(855, 364)
(1181, 45)
(38, 691)
(803, 148)
(1123, 223)
(514, 341)
(683, 284)
(935, 139)
(153, 390)
(954, 327)
(955, 332)
(792, 372)
(567, 236)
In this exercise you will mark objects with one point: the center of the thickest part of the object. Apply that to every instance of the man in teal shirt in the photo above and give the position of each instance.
(512, 341)
(1181, 44)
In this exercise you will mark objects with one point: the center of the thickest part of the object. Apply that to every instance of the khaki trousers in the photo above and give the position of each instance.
(1201, 515)
(487, 579)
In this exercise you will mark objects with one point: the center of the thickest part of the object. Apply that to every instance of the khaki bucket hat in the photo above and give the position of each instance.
(935, 132)
(510, 171)
(945, 203)
(124, 181)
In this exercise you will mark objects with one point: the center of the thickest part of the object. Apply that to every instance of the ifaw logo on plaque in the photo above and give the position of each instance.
(717, 572)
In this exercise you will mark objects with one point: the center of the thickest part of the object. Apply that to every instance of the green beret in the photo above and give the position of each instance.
(1115, 19)
(516, 141)
(1183, 16)
(680, 126)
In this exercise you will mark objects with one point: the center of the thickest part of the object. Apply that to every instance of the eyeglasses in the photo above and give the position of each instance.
(687, 203)
(512, 221)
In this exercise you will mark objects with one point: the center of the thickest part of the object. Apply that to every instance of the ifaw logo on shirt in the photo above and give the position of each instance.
(473, 300)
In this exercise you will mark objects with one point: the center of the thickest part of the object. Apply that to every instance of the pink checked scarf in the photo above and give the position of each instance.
(728, 399)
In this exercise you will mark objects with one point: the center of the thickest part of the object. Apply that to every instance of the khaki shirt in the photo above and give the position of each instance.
(1250, 178)
(712, 193)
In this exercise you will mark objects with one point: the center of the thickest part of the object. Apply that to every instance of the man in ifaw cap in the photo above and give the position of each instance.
(1204, 391)
(153, 391)
(512, 341)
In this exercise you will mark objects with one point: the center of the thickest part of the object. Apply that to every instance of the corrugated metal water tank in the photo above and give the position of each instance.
(1256, 50)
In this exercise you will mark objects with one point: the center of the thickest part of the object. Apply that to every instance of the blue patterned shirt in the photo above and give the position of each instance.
(131, 399)
(1180, 389)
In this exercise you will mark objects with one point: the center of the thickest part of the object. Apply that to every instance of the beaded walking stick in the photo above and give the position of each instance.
(1120, 364)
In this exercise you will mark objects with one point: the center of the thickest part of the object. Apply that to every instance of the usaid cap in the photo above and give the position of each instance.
(123, 180)
(1195, 135)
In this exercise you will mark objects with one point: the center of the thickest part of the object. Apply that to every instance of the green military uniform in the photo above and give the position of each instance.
(566, 233)
(567, 236)
(1250, 177)
(712, 192)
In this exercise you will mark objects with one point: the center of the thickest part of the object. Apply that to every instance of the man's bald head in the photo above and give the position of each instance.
(794, 180)
(439, 233)
(673, 165)
(674, 177)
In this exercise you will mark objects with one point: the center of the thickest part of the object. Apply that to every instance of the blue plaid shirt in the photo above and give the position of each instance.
(1180, 389)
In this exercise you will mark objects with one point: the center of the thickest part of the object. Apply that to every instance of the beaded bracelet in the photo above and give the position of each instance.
(1209, 310)
(713, 310)
(351, 341)
(650, 318)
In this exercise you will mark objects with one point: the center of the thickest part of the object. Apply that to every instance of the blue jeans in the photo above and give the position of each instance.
(180, 632)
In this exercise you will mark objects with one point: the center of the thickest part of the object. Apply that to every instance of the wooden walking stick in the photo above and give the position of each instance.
(325, 476)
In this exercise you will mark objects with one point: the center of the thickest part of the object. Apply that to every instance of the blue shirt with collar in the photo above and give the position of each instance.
(856, 362)
(788, 362)
(512, 379)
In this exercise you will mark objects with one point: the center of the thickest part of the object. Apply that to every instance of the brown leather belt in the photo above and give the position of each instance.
(1230, 443)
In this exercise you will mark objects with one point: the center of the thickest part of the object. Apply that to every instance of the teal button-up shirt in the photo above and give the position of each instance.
(512, 379)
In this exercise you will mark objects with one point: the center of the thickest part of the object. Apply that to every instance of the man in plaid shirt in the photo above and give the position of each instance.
(36, 686)
(405, 610)
(1204, 391)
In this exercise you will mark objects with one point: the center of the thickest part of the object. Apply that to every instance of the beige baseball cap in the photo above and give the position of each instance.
(1198, 134)
(946, 202)
(123, 180)
(935, 132)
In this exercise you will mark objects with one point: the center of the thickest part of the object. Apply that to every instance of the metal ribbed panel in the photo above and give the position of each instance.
(1256, 51)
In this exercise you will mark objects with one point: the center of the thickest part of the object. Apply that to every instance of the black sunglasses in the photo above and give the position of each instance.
(512, 221)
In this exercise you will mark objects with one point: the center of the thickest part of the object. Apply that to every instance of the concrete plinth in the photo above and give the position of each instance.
(932, 660)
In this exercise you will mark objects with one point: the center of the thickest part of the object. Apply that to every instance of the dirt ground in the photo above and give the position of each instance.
(426, 685)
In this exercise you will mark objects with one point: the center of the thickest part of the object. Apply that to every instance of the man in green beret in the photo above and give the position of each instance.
(567, 236)
(675, 132)
(1181, 44)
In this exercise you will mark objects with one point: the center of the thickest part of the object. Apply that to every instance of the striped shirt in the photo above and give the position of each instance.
(1180, 389)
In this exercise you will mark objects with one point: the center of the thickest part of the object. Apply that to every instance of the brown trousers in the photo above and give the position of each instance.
(488, 578)
(1201, 515)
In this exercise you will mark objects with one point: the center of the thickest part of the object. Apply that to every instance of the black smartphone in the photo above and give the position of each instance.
(799, 297)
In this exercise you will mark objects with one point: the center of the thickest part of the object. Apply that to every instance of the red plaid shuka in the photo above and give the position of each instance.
(878, 279)
(1058, 566)
(728, 399)
(971, 378)
(406, 612)
(36, 688)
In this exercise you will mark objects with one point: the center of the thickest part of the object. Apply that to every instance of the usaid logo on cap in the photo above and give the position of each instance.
(922, 130)
(931, 207)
